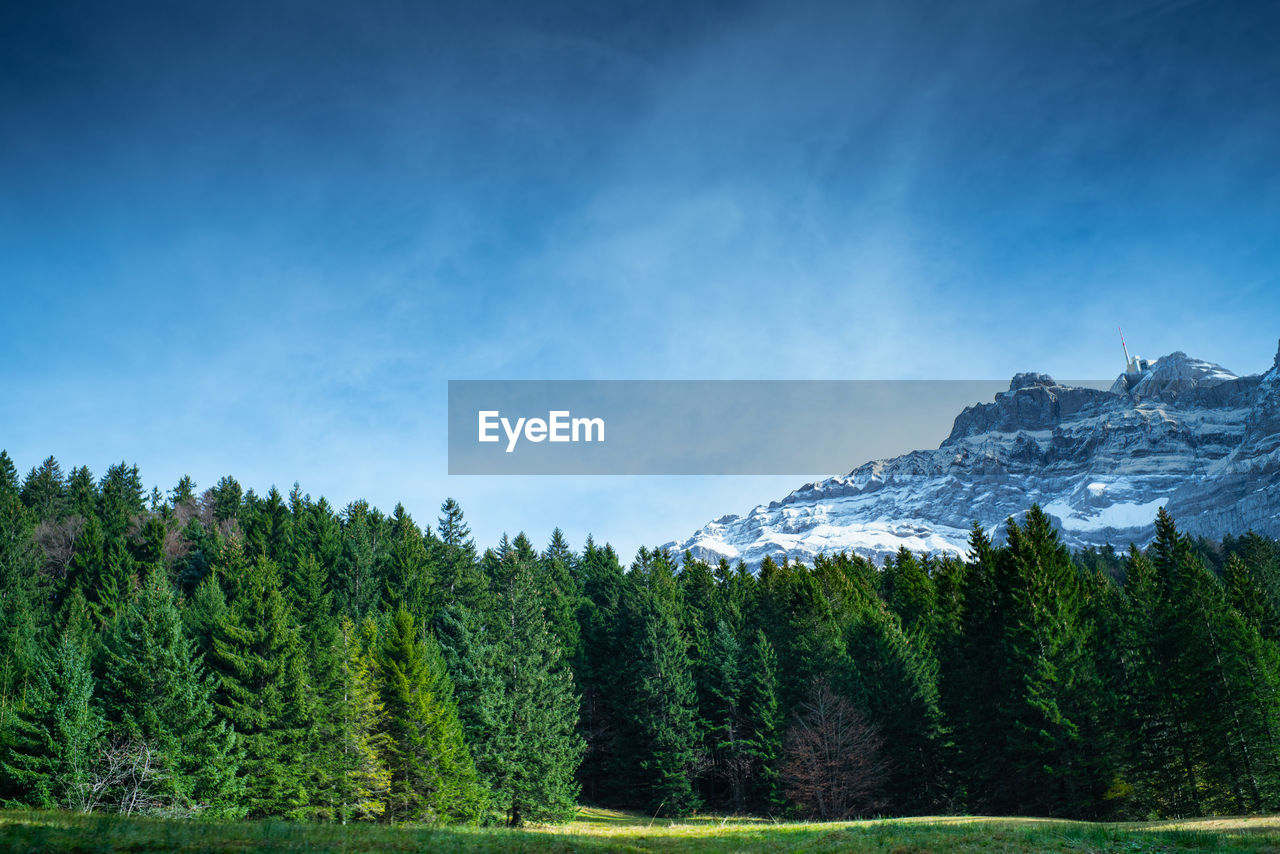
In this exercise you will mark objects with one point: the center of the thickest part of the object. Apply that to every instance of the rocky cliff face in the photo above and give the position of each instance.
(1184, 434)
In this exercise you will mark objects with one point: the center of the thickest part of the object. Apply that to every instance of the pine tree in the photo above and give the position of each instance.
(20, 658)
(21, 610)
(121, 498)
(409, 574)
(82, 493)
(354, 728)
(973, 683)
(1220, 687)
(44, 491)
(909, 592)
(157, 693)
(1051, 708)
(57, 734)
(562, 592)
(311, 600)
(474, 652)
(809, 638)
(663, 707)
(596, 672)
(203, 614)
(184, 493)
(102, 569)
(257, 656)
(226, 498)
(358, 586)
(459, 578)
(763, 726)
(536, 742)
(893, 677)
(726, 732)
(432, 774)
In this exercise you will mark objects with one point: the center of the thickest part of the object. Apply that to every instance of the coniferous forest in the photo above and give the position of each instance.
(220, 653)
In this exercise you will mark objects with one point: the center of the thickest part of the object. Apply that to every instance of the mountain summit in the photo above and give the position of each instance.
(1181, 433)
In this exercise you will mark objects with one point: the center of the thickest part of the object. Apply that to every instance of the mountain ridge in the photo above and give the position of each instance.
(1182, 433)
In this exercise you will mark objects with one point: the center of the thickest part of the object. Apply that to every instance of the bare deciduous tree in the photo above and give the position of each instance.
(832, 766)
(128, 777)
(57, 539)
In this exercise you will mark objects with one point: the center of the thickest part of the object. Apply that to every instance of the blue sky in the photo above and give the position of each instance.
(258, 239)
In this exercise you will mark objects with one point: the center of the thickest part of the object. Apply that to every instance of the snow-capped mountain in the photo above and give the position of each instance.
(1181, 433)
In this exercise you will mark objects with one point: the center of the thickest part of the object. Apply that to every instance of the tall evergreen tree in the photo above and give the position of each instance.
(1051, 709)
(596, 671)
(1219, 686)
(663, 706)
(433, 777)
(20, 600)
(57, 734)
(157, 693)
(357, 582)
(536, 737)
(909, 592)
(727, 740)
(973, 683)
(44, 491)
(353, 729)
(121, 498)
(561, 589)
(763, 726)
(459, 578)
(409, 576)
(82, 493)
(263, 693)
(893, 676)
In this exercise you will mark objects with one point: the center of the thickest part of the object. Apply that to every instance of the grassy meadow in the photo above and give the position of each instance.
(609, 830)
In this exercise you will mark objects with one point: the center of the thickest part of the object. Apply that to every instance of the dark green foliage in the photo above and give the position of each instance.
(595, 672)
(408, 579)
(204, 613)
(1051, 708)
(909, 592)
(517, 696)
(225, 499)
(263, 692)
(356, 583)
(121, 498)
(44, 492)
(82, 493)
(557, 579)
(893, 677)
(184, 493)
(726, 734)
(663, 712)
(159, 696)
(349, 777)
(20, 600)
(1217, 688)
(267, 656)
(459, 578)
(762, 726)
(1024, 677)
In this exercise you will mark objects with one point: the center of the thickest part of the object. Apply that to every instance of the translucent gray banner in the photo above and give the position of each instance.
(663, 427)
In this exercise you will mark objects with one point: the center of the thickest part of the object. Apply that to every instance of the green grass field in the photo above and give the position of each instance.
(608, 830)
